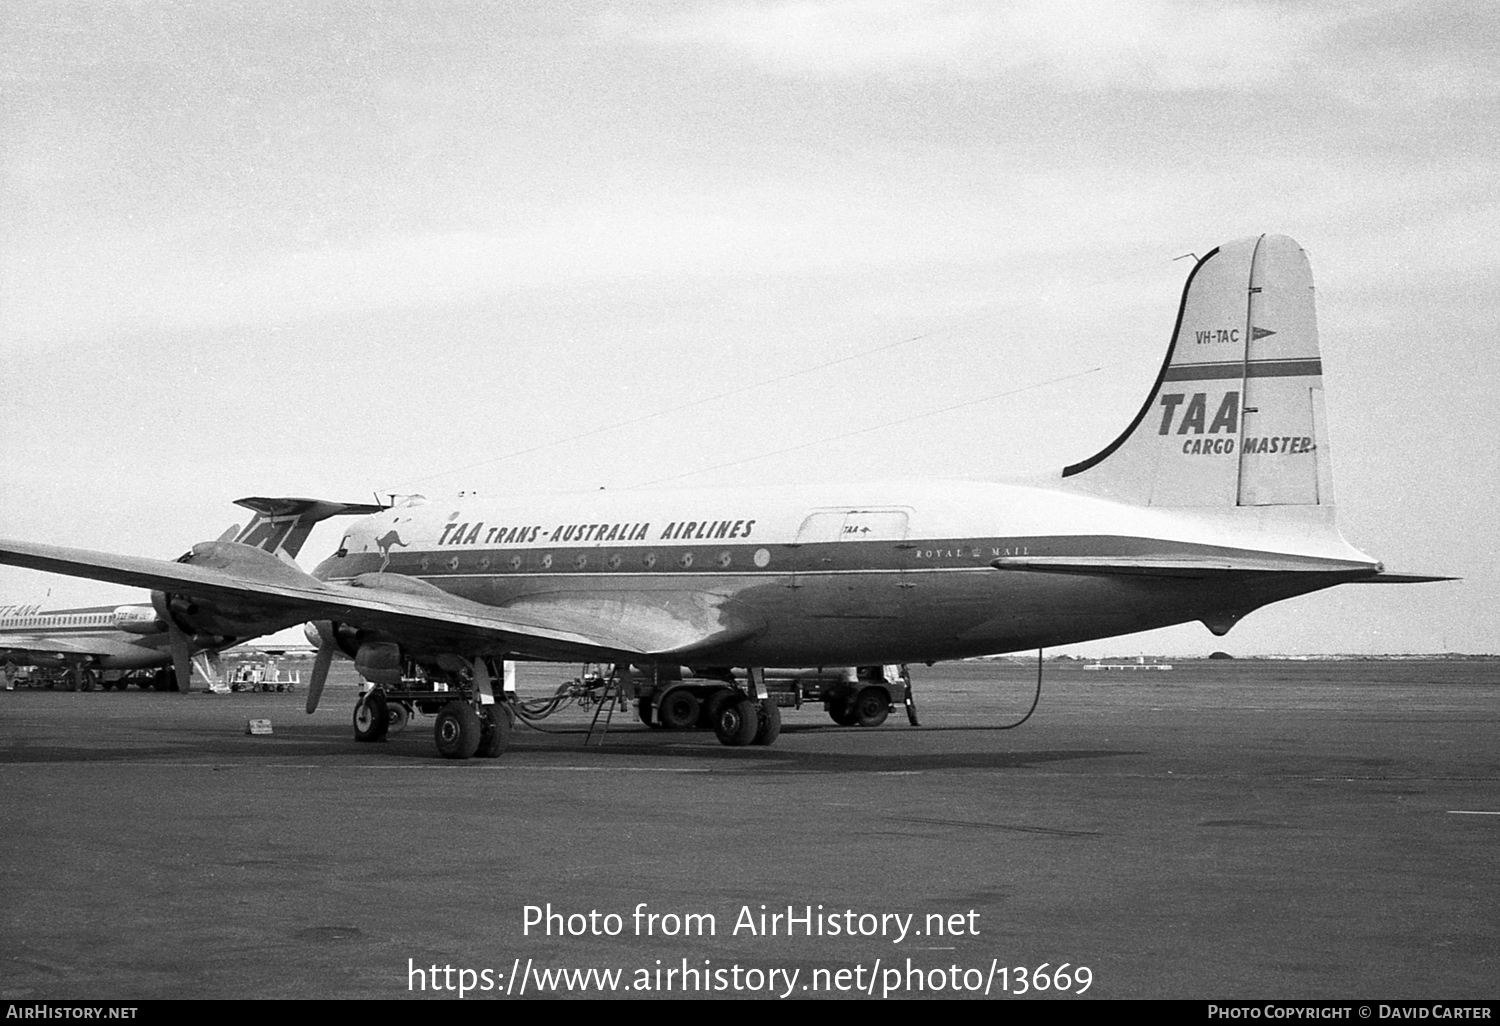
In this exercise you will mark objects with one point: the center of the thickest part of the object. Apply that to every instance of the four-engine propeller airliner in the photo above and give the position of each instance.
(1215, 500)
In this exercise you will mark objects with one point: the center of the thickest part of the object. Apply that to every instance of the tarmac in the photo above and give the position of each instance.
(1225, 830)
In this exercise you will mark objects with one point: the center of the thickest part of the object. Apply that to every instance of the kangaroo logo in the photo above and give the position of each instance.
(384, 543)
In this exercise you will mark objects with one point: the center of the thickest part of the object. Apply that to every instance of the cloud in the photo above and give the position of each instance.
(59, 287)
(1073, 44)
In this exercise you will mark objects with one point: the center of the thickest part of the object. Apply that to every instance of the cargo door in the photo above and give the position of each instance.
(849, 563)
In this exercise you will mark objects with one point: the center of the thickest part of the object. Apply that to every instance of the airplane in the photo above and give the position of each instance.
(86, 642)
(1215, 500)
(92, 643)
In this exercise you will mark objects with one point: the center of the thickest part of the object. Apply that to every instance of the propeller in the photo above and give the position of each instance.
(321, 663)
(182, 656)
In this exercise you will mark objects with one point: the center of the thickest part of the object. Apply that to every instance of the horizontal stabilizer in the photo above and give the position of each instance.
(1186, 566)
(1386, 577)
(306, 509)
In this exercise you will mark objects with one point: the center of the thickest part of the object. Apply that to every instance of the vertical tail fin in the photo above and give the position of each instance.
(280, 526)
(1236, 415)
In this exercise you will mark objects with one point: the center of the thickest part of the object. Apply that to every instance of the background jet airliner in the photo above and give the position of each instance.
(92, 643)
(1215, 500)
(88, 644)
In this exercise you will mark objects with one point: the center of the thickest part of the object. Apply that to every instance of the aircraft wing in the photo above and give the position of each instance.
(1205, 565)
(564, 629)
(81, 646)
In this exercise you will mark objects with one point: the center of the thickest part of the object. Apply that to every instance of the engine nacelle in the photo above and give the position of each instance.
(379, 662)
(197, 618)
(345, 639)
(139, 620)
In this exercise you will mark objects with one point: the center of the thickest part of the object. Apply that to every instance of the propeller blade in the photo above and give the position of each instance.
(182, 657)
(319, 675)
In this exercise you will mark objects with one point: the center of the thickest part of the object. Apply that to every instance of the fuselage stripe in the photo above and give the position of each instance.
(1253, 369)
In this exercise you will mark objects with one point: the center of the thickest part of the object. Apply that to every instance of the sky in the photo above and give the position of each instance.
(343, 250)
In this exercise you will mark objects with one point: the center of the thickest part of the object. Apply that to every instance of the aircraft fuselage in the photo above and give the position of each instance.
(834, 574)
(89, 637)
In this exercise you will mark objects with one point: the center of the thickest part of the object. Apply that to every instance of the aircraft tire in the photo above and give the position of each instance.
(678, 709)
(714, 703)
(372, 717)
(769, 728)
(457, 731)
(841, 707)
(737, 722)
(495, 735)
(398, 715)
(870, 707)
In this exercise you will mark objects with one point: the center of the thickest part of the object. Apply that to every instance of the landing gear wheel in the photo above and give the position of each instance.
(457, 731)
(495, 736)
(678, 709)
(841, 708)
(643, 710)
(770, 722)
(737, 721)
(371, 717)
(871, 706)
(714, 704)
(397, 717)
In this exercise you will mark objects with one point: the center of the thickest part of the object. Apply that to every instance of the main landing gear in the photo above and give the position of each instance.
(739, 719)
(732, 710)
(470, 722)
(739, 712)
(463, 732)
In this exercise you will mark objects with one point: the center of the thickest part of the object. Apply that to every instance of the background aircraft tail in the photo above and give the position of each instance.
(1236, 415)
(281, 525)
